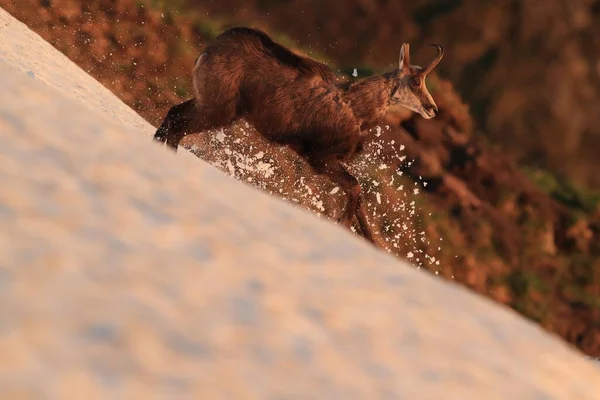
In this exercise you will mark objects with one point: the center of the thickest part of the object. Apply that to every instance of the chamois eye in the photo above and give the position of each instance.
(416, 82)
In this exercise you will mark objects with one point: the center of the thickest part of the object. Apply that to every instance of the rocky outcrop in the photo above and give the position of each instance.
(129, 271)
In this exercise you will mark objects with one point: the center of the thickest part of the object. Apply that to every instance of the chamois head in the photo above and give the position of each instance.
(411, 91)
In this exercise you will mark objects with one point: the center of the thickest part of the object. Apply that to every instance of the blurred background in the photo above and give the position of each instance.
(500, 192)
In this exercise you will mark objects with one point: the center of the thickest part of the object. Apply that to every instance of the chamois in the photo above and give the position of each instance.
(294, 100)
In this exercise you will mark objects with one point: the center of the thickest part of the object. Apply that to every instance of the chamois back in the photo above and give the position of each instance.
(259, 50)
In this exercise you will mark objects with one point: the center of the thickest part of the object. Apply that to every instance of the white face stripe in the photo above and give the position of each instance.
(405, 97)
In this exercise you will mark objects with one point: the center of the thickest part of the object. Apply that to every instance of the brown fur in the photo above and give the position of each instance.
(294, 100)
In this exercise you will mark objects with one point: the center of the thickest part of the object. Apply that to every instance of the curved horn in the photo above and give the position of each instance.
(435, 61)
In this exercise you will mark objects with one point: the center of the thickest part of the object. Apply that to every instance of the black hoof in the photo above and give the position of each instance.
(161, 135)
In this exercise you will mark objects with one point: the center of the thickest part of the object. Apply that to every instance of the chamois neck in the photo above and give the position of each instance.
(369, 99)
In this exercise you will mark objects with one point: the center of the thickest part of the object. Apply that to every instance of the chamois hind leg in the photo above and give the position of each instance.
(336, 171)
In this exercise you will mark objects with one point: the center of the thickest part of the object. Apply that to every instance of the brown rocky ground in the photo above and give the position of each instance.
(440, 194)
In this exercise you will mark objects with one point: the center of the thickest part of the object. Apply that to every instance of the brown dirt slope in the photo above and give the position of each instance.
(439, 194)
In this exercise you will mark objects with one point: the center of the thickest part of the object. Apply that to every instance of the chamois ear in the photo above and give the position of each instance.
(404, 61)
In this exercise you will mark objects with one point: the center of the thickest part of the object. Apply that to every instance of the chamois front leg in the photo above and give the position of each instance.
(336, 171)
(178, 123)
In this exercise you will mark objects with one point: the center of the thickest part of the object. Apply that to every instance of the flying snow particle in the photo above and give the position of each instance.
(355, 73)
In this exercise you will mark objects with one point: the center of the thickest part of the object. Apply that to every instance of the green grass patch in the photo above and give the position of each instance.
(530, 294)
(522, 282)
(567, 193)
(207, 28)
(582, 270)
(580, 295)
(536, 311)
(164, 5)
